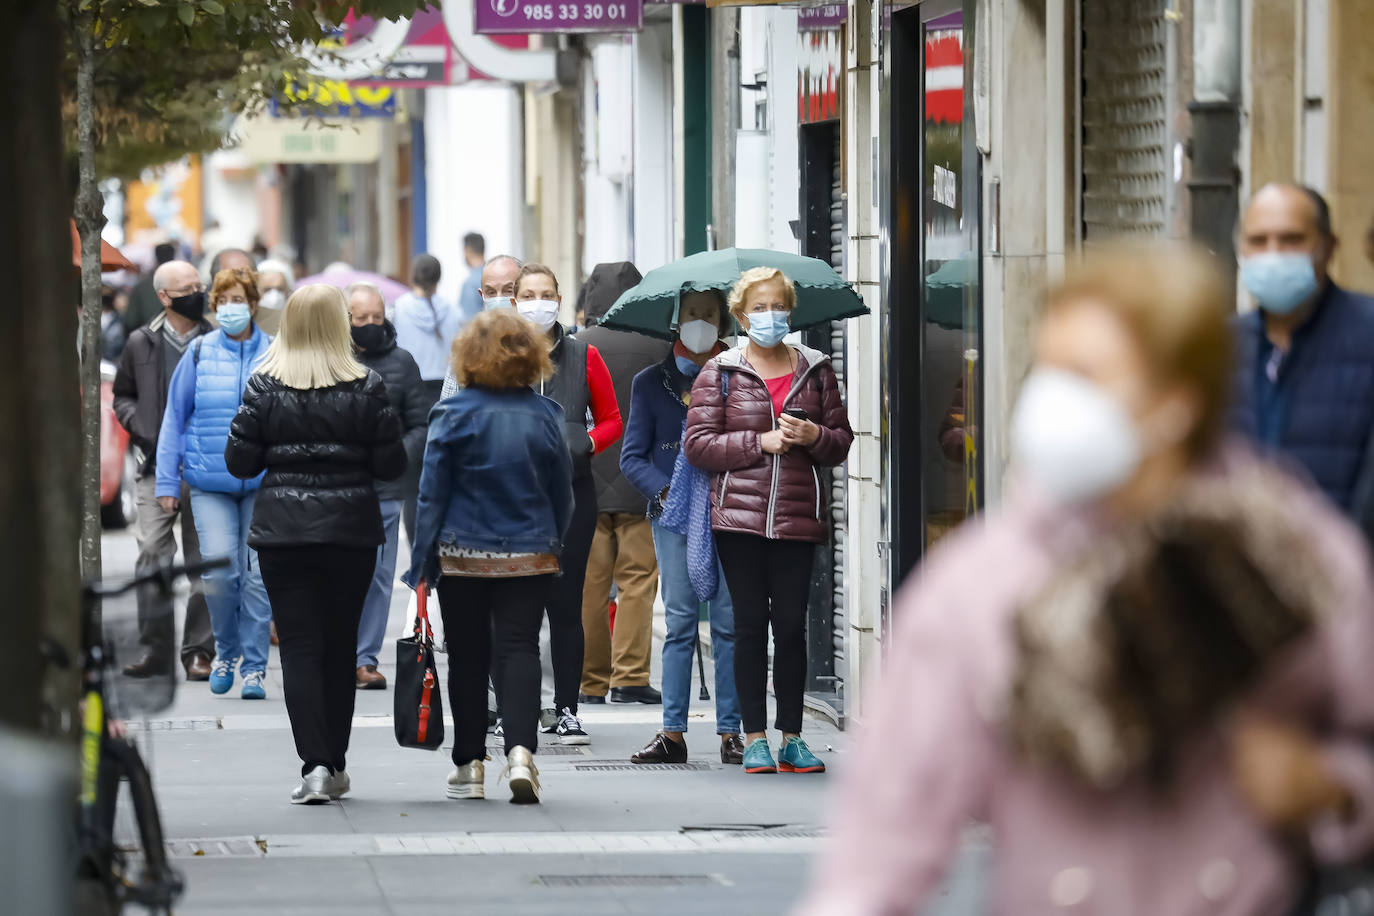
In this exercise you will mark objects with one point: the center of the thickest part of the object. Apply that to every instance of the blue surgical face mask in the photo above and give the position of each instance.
(767, 329)
(234, 317)
(686, 366)
(498, 302)
(1280, 281)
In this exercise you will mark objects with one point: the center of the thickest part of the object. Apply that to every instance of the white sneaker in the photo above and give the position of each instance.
(339, 785)
(314, 788)
(570, 730)
(524, 776)
(467, 781)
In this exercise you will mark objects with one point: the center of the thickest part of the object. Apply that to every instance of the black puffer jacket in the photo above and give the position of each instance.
(321, 448)
(406, 393)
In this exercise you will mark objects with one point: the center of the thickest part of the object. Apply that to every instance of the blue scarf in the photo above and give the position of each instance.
(687, 511)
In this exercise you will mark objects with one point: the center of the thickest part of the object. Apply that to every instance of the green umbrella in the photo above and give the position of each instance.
(651, 306)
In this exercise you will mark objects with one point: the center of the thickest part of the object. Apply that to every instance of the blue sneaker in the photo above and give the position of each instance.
(795, 757)
(252, 686)
(222, 675)
(758, 758)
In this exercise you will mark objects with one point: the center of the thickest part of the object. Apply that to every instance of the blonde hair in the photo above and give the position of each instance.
(1173, 299)
(313, 348)
(752, 278)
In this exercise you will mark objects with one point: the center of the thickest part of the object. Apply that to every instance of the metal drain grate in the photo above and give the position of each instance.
(606, 766)
(545, 750)
(628, 880)
(232, 847)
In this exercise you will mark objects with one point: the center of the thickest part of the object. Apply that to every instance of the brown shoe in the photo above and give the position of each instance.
(150, 665)
(662, 750)
(198, 667)
(731, 749)
(369, 678)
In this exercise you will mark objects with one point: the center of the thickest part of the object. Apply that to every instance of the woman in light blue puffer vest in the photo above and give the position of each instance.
(205, 393)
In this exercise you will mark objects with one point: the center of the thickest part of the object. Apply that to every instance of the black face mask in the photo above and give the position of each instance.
(191, 306)
(369, 336)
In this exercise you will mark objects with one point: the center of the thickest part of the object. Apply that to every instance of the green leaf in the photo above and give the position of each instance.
(212, 7)
(187, 14)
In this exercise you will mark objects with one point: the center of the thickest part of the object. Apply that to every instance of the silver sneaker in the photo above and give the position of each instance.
(339, 784)
(467, 781)
(524, 776)
(314, 788)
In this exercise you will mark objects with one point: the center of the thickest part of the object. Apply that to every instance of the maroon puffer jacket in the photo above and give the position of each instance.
(775, 496)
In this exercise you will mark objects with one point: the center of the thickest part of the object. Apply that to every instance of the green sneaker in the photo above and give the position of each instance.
(758, 758)
(796, 757)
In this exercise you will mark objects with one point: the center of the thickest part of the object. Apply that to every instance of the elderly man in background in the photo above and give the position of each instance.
(498, 291)
(1304, 385)
(375, 338)
(140, 397)
(276, 280)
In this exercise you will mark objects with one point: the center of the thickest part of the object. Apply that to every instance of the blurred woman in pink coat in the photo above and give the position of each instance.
(1150, 673)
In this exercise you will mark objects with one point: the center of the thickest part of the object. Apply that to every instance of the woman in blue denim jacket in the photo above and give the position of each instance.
(495, 502)
(658, 409)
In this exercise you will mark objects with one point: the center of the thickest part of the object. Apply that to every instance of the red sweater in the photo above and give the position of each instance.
(605, 411)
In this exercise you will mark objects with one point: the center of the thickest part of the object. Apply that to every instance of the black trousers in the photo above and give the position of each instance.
(566, 640)
(770, 583)
(411, 478)
(317, 598)
(488, 620)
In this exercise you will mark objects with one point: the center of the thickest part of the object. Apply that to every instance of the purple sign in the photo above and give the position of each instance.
(505, 17)
(816, 18)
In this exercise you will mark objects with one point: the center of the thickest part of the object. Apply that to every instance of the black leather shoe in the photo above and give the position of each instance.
(149, 665)
(590, 699)
(645, 694)
(662, 750)
(732, 749)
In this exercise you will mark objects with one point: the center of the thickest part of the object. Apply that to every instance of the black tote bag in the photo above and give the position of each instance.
(419, 710)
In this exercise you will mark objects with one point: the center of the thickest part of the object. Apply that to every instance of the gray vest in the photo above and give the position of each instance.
(569, 388)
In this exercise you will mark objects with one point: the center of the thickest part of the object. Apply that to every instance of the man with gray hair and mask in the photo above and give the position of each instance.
(498, 291)
(140, 397)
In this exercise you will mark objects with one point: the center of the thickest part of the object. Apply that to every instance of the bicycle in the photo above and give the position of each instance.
(111, 874)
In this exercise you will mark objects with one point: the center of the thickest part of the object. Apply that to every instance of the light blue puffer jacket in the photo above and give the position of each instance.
(204, 396)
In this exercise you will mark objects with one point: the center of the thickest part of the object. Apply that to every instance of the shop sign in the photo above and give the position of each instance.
(310, 140)
(496, 17)
(338, 99)
(820, 73)
(814, 18)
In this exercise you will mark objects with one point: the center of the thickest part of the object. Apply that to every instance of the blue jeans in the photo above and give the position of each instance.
(681, 612)
(377, 606)
(240, 613)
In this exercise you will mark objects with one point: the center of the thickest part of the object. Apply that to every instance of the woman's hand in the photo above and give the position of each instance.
(1280, 772)
(798, 432)
(168, 503)
(774, 442)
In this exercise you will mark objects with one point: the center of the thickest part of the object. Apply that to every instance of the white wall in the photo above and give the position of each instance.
(651, 238)
(608, 152)
(231, 198)
(474, 172)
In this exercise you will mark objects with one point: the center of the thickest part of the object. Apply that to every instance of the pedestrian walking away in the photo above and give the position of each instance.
(766, 419)
(141, 383)
(653, 434)
(474, 256)
(496, 497)
(1304, 380)
(426, 325)
(319, 424)
(203, 396)
(1160, 702)
(375, 339)
(622, 551)
(581, 385)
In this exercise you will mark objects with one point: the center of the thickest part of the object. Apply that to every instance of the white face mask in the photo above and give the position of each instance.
(272, 299)
(497, 302)
(543, 312)
(699, 336)
(1072, 438)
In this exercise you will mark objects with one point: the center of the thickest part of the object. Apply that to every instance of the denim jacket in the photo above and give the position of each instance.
(497, 476)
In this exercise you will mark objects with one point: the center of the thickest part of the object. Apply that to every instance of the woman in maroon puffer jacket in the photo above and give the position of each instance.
(765, 419)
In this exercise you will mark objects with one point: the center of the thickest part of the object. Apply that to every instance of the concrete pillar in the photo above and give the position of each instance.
(1350, 122)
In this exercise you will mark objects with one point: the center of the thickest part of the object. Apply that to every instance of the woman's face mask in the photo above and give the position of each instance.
(699, 336)
(543, 312)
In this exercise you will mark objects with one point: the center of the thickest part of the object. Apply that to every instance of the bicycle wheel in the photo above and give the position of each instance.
(138, 861)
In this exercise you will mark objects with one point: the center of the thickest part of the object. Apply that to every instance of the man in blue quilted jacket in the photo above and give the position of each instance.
(1305, 356)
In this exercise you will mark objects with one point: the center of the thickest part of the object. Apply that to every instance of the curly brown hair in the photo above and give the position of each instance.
(500, 349)
(230, 277)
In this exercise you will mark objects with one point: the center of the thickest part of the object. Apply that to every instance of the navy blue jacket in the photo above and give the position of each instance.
(1321, 414)
(497, 476)
(653, 433)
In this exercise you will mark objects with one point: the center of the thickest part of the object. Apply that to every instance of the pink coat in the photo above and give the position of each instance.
(929, 757)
